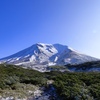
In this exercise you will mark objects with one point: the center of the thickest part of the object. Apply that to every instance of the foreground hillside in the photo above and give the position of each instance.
(24, 84)
(18, 83)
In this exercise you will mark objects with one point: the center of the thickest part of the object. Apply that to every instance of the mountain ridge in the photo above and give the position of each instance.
(40, 55)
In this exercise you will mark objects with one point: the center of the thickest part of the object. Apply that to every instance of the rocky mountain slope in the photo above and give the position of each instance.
(40, 55)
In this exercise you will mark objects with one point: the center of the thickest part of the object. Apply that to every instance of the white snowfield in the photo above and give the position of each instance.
(40, 55)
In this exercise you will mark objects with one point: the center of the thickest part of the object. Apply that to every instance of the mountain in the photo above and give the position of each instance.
(40, 55)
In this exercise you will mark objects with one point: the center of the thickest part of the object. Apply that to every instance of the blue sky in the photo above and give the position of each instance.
(75, 23)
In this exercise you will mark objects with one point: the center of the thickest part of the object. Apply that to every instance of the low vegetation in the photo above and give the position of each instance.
(15, 80)
(18, 82)
(84, 66)
(78, 86)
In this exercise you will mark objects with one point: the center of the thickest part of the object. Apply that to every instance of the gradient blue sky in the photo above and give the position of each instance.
(75, 23)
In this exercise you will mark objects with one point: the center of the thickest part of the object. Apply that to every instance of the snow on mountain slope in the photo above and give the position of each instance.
(40, 55)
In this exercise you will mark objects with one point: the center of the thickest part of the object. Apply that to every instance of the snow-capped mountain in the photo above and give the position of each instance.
(40, 55)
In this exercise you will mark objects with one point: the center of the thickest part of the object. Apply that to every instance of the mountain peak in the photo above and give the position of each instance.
(43, 44)
(41, 55)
